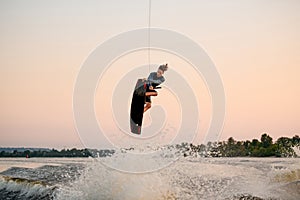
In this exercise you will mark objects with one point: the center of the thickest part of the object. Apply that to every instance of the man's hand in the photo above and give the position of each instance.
(151, 87)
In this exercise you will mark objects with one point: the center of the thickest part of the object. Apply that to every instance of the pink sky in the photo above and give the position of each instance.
(255, 46)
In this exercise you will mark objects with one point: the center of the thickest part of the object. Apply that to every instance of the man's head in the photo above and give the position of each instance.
(161, 69)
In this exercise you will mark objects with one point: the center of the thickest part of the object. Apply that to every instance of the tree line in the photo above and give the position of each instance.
(265, 147)
(56, 153)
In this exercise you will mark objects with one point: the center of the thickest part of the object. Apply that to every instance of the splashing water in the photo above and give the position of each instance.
(182, 178)
(188, 178)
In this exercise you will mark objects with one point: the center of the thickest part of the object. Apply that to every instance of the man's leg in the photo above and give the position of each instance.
(148, 100)
(154, 93)
(147, 106)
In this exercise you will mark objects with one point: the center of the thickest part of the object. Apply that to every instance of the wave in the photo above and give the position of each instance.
(37, 183)
(20, 188)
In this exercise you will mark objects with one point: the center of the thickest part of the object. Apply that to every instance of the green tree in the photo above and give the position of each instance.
(284, 147)
(296, 140)
(255, 143)
(266, 140)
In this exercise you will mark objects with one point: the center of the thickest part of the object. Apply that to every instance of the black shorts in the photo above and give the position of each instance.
(148, 99)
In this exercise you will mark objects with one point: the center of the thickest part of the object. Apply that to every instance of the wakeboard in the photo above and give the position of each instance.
(137, 106)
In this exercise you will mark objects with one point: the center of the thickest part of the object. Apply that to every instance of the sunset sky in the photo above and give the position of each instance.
(254, 44)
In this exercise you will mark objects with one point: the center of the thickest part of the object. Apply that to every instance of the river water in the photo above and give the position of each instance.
(186, 178)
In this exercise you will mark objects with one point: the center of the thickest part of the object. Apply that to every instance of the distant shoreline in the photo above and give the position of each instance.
(265, 147)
